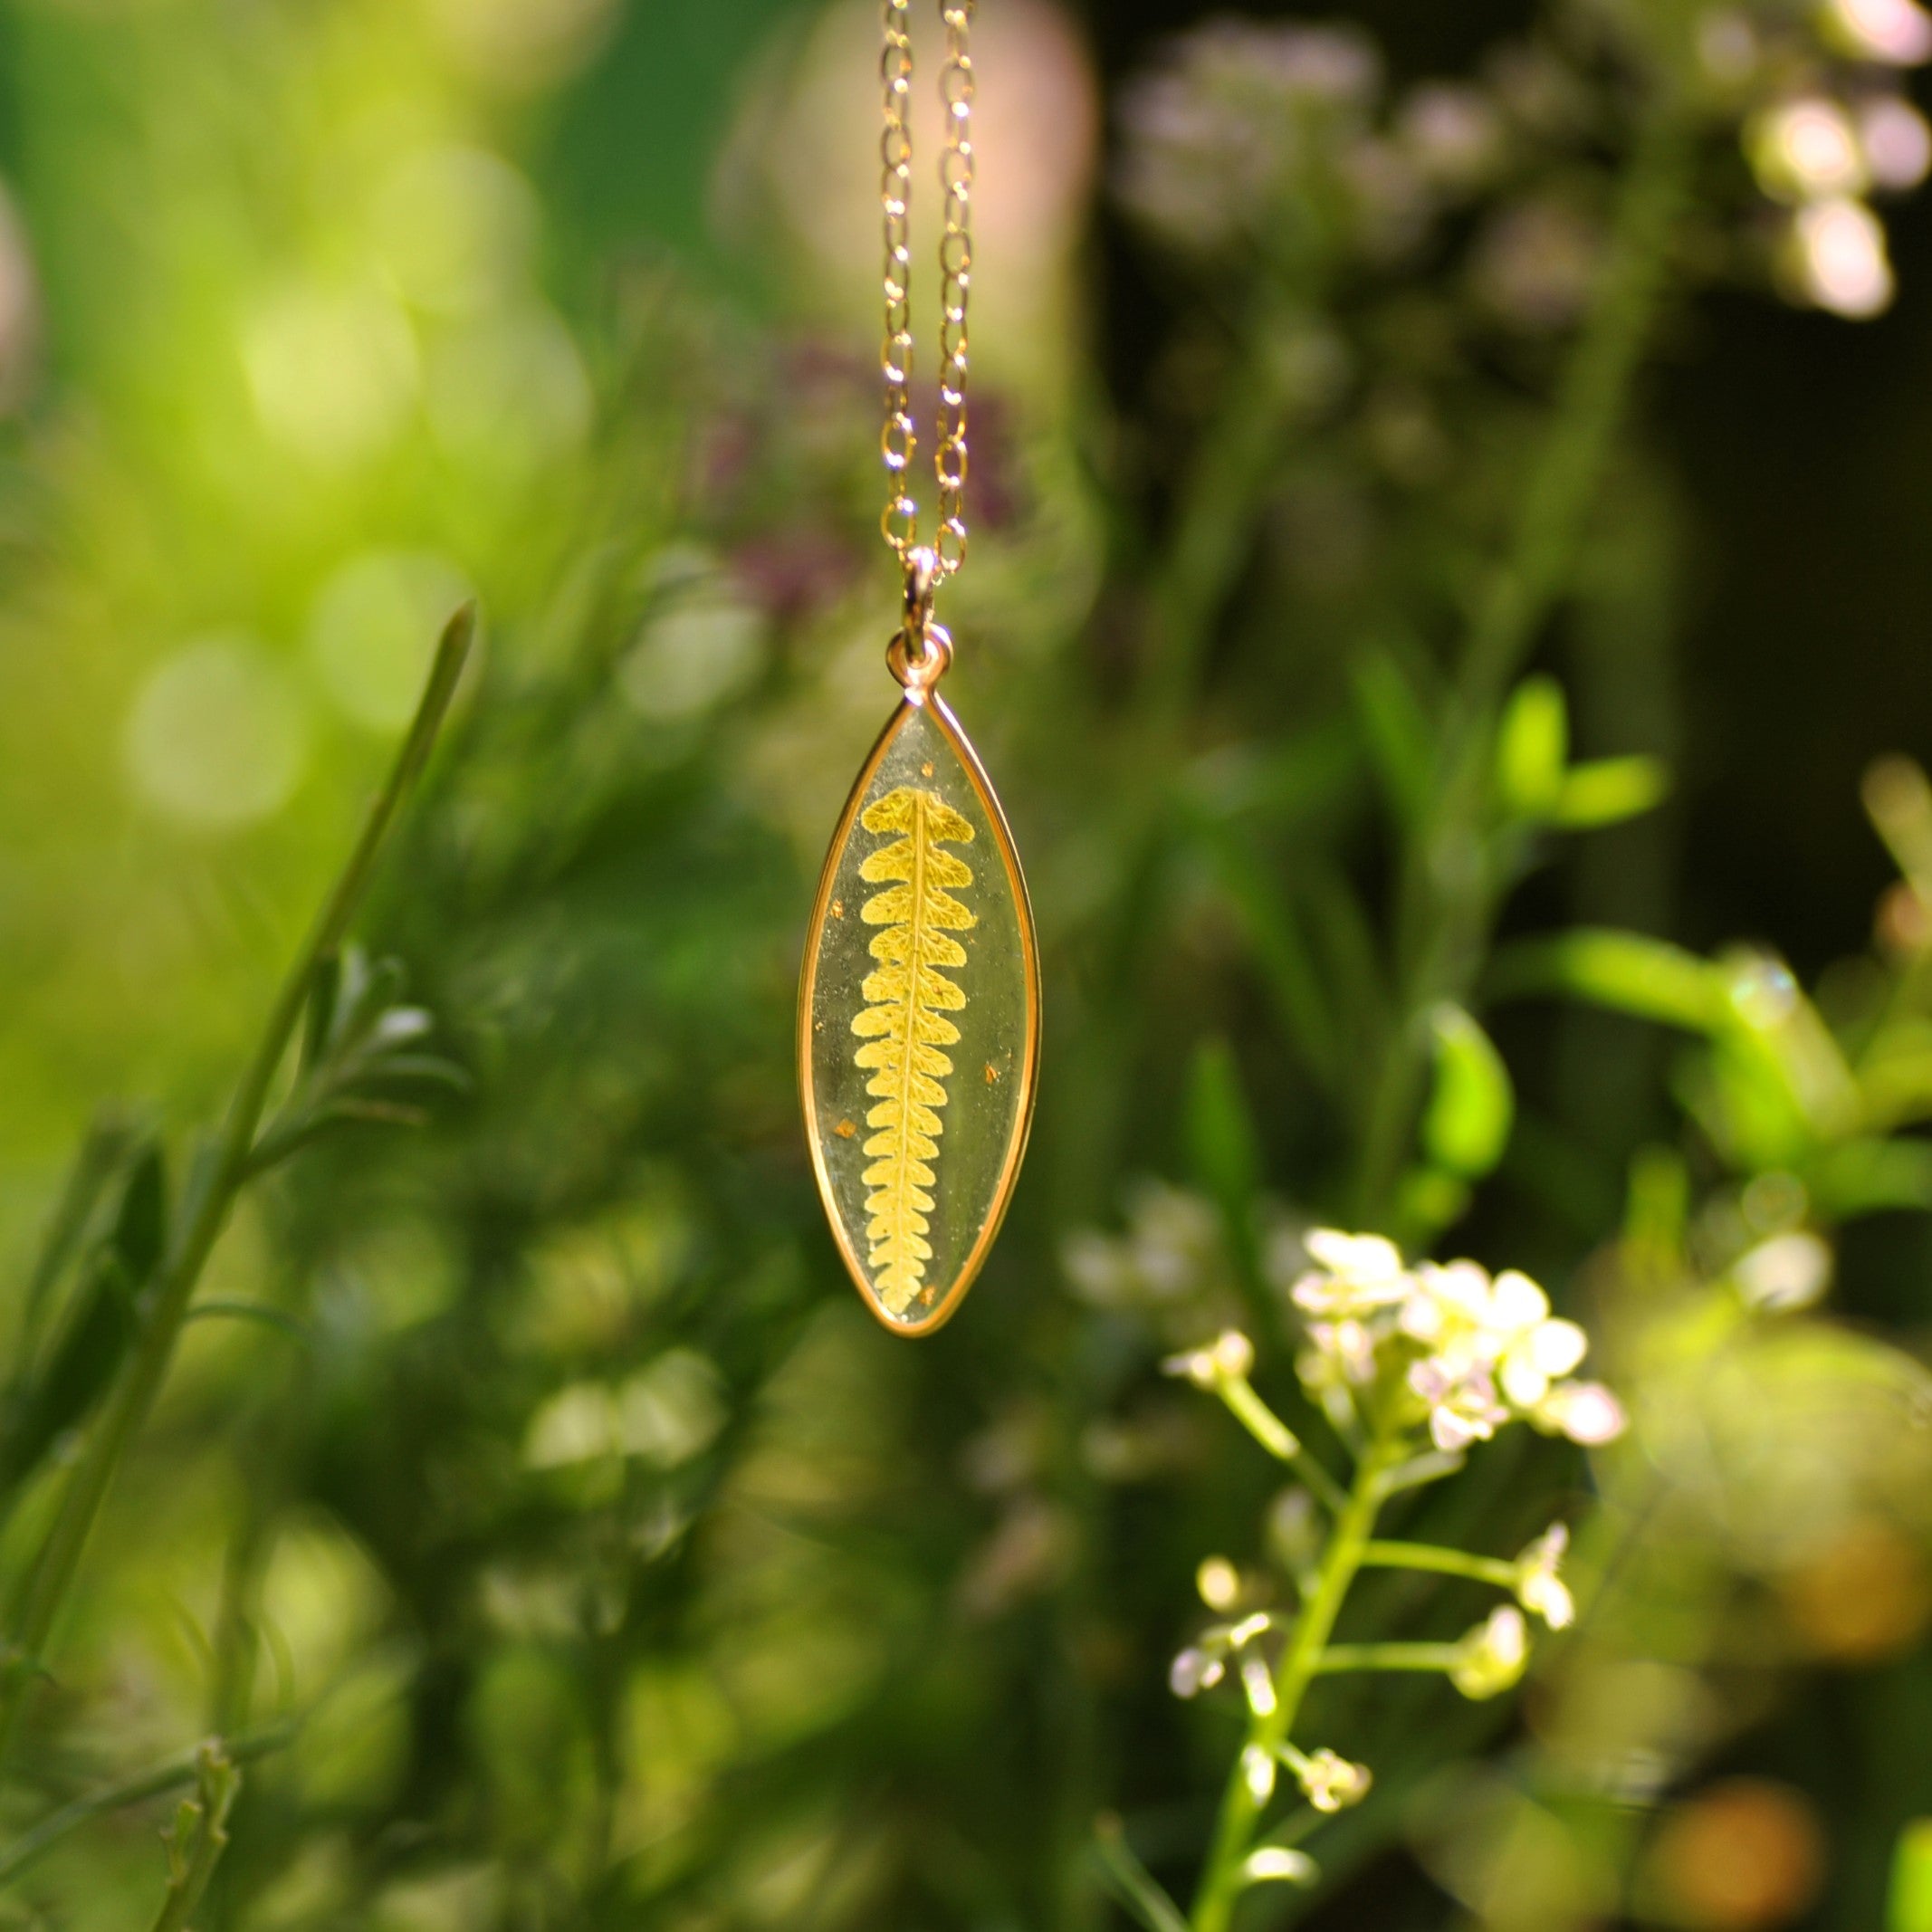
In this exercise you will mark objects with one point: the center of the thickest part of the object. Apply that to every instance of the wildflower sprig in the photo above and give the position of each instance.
(1415, 1365)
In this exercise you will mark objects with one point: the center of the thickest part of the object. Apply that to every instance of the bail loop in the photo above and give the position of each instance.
(922, 584)
(922, 652)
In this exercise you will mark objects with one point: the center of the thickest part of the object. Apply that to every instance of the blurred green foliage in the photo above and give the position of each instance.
(555, 1542)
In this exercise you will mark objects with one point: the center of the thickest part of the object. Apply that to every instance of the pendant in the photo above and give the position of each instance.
(919, 1006)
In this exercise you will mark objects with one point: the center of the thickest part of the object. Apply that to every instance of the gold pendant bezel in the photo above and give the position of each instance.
(917, 698)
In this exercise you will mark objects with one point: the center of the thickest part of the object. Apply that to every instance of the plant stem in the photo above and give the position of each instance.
(1220, 1881)
(1444, 1563)
(1278, 1439)
(1339, 1658)
(1447, 893)
(173, 1773)
(211, 1194)
(199, 1837)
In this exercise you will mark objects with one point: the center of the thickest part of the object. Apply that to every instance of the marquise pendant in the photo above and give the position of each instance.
(919, 1012)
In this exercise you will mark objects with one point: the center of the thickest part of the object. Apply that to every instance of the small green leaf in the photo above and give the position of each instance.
(1532, 749)
(1473, 1106)
(1608, 790)
(1911, 1899)
(1626, 971)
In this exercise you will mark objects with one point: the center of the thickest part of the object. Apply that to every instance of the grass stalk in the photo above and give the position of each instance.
(211, 1197)
(1447, 893)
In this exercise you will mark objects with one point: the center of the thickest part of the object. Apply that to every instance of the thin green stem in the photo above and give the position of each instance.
(1220, 1881)
(1228, 479)
(1339, 1658)
(1444, 1563)
(1279, 1440)
(211, 1196)
(1590, 409)
(1131, 1883)
(174, 1774)
(1447, 895)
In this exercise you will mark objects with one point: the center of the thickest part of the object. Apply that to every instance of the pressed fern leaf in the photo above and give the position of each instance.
(904, 1027)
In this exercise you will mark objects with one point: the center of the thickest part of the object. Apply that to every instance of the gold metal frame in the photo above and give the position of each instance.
(919, 696)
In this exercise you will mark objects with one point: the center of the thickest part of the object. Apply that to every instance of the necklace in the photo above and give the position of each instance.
(919, 1006)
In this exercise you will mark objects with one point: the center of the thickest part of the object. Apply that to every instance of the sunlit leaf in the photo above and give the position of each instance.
(1532, 749)
(1467, 1124)
(1626, 971)
(1609, 791)
(1911, 1908)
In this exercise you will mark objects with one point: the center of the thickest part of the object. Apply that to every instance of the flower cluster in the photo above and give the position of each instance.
(1831, 129)
(1468, 1352)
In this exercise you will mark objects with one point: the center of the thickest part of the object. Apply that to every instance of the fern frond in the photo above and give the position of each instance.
(905, 1027)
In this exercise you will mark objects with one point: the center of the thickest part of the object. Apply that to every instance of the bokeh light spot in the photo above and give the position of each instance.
(1842, 264)
(704, 647)
(333, 371)
(1896, 142)
(456, 226)
(509, 389)
(1898, 32)
(1745, 1856)
(216, 735)
(1867, 1597)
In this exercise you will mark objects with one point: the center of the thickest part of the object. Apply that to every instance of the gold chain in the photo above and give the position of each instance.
(899, 440)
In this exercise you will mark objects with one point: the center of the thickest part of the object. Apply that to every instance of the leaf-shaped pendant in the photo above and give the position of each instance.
(919, 1013)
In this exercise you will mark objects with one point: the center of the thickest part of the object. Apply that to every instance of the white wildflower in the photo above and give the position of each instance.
(1258, 1681)
(1258, 1773)
(1539, 1589)
(1229, 1357)
(1838, 260)
(1329, 1782)
(1195, 1670)
(1280, 1862)
(1462, 1404)
(1791, 1271)
(1344, 1355)
(1898, 143)
(1896, 31)
(1356, 1274)
(1586, 1411)
(1493, 1656)
(1218, 1583)
(1504, 1324)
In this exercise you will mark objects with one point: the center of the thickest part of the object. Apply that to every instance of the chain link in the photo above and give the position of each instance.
(899, 439)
